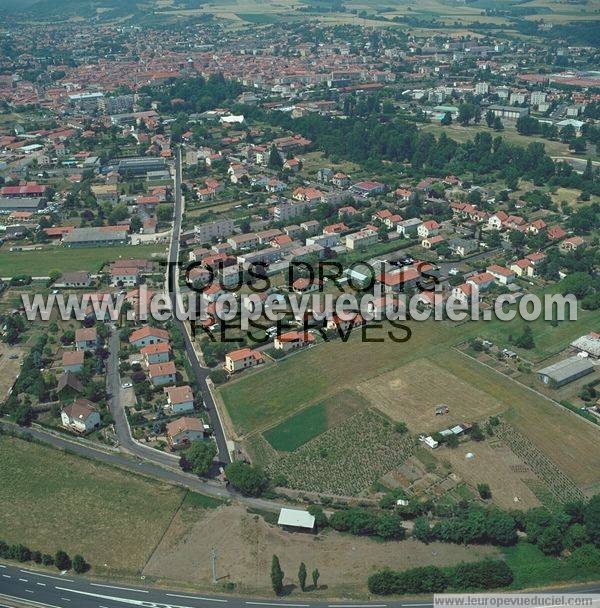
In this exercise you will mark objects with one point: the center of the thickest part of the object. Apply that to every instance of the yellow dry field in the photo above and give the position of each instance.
(496, 465)
(412, 392)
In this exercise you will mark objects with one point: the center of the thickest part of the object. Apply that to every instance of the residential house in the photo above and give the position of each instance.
(68, 385)
(148, 335)
(180, 399)
(81, 416)
(427, 229)
(432, 241)
(572, 243)
(183, 431)
(503, 275)
(156, 353)
(72, 361)
(162, 373)
(462, 247)
(399, 280)
(241, 359)
(292, 340)
(361, 239)
(409, 228)
(77, 279)
(481, 280)
(86, 338)
(496, 221)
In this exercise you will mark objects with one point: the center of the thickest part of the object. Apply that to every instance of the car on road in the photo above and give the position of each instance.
(453, 271)
(126, 385)
(13, 356)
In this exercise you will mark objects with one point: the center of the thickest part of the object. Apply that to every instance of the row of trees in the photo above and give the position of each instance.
(277, 576)
(487, 574)
(60, 559)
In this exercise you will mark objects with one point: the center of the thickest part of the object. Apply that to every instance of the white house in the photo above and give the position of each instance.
(183, 431)
(148, 335)
(81, 416)
(180, 399)
(427, 229)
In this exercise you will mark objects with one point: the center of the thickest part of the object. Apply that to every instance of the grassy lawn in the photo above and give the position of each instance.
(462, 134)
(312, 421)
(39, 263)
(533, 569)
(52, 500)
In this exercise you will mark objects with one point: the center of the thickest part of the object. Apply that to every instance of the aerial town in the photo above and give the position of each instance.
(299, 302)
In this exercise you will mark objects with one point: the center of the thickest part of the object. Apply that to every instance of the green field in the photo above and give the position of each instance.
(313, 420)
(39, 263)
(534, 569)
(52, 500)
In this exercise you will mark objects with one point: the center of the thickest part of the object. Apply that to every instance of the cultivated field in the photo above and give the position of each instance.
(432, 373)
(49, 497)
(313, 420)
(493, 463)
(245, 544)
(412, 392)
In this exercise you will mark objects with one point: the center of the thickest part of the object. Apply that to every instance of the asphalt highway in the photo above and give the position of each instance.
(24, 586)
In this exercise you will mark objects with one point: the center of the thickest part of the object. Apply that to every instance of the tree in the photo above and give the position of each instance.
(79, 564)
(164, 213)
(317, 512)
(452, 441)
(484, 491)
(550, 541)
(446, 120)
(62, 560)
(389, 526)
(200, 456)
(249, 480)
(525, 340)
(275, 162)
(466, 113)
(422, 530)
(302, 576)
(477, 433)
(591, 519)
(276, 575)
(315, 577)
(489, 118)
(576, 536)
(498, 124)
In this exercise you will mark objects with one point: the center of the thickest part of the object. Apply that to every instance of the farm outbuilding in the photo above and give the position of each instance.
(296, 519)
(565, 371)
(589, 344)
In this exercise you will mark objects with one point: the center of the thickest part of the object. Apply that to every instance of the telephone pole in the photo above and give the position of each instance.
(213, 559)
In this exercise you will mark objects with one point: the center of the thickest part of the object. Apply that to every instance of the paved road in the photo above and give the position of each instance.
(123, 431)
(167, 472)
(173, 287)
(23, 586)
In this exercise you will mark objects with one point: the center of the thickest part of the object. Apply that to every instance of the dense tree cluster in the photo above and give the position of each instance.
(487, 574)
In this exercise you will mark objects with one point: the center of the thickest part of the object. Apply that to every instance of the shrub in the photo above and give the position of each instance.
(62, 560)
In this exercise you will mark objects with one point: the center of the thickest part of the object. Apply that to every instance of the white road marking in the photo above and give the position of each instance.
(123, 600)
(66, 599)
(357, 605)
(14, 597)
(7, 576)
(29, 591)
(267, 604)
(23, 580)
(119, 588)
(191, 597)
(2, 566)
(41, 584)
(57, 578)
